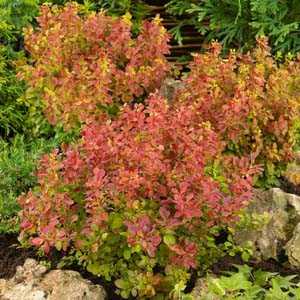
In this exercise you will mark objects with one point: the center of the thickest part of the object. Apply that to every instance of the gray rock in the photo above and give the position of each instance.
(283, 210)
(30, 271)
(32, 282)
(293, 248)
(169, 88)
(200, 289)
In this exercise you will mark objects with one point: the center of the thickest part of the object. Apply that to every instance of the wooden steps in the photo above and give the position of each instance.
(192, 41)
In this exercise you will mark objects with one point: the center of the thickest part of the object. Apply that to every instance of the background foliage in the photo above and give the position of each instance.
(237, 23)
(14, 15)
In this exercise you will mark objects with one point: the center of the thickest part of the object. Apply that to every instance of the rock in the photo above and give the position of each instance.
(293, 248)
(69, 285)
(200, 289)
(30, 271)
(294, 201)
(283, 210)
(291, 177)
(32, 282)
(3, 286)
(169, 88)
(24, 292)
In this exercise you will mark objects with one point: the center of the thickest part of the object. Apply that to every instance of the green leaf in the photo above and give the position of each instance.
(115, 221)
(122, 284)
(94, 268)
(127, 254)
(262, 277)
(58, 245)
(245, 256)
(216, 287)
(125, 294)
(169, 239)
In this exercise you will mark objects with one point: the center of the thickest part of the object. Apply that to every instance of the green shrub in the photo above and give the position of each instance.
(236, 23)
(13, 16)
(17, 166)
(18, 14)
(11, 112)
(138, 9)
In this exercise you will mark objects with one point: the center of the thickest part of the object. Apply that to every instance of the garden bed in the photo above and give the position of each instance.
(136, 176)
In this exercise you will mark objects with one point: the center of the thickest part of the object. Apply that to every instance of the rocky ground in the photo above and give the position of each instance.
(23, 278)
(32, 281)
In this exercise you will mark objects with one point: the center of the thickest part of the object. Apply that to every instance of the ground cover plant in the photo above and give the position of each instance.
(246, 283)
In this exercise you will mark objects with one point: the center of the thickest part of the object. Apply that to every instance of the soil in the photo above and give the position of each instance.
(288, 187)
(11, 255)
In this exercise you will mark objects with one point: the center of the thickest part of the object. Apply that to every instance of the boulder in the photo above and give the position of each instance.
(293, 248)
(69, 285)
(272, 238)
(291, 177)
(33, 282)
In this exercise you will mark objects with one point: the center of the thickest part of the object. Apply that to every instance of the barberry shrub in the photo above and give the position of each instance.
(81, 63)
(135, 199)
(251, 101)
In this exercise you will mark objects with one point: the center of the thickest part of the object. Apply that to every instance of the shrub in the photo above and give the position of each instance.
(136, 198)
(138, 9)
(251, 101)
(13, 16)
(236, 23)
(18, 161)
(18, 14)
(11, 112)
(18, 165)
(82, 64)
